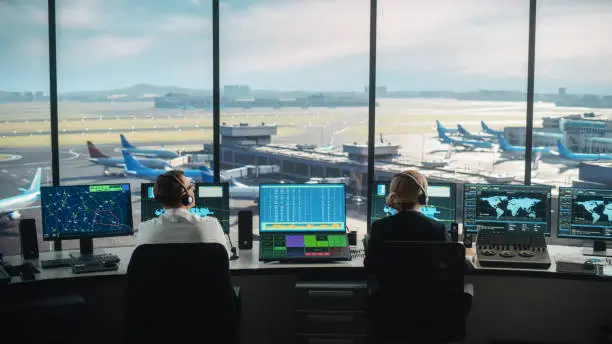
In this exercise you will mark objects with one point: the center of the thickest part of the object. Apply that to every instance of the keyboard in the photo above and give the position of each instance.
(68, 262)
(56, 263)
(357, 253)
(93, 266)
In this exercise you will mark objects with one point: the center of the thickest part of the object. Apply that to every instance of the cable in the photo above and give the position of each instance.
(232, 248)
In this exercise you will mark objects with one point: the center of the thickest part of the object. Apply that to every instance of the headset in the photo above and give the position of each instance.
(186, 198)
(422, 198)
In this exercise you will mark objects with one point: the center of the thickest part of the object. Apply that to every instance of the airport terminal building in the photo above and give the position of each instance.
(585, 133)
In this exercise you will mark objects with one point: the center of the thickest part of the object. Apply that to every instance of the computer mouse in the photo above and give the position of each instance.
(588, 265)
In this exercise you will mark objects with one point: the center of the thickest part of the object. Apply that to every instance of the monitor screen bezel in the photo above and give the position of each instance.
(309, 185)
(89, 236)
(548, 232)
(432, 183)
(226, 195)
(577, 237)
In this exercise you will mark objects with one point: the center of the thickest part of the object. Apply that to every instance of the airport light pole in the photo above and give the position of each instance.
(530, 90)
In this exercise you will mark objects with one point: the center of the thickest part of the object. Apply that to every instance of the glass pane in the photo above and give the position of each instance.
(574, 92)
(294, 107)
(142, 69)
(451, 90)
(24, 117)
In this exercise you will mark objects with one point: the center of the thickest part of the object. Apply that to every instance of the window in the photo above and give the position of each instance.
(450, 77)
(24, 117)
(573, 90)
(294, 108)
(142, 69)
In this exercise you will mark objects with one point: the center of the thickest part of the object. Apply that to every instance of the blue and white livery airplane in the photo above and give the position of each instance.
(9, 207)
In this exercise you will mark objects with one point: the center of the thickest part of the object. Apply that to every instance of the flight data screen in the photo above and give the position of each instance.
(86, 211)
(210, 200)
(302, 207)
(441, 207)
(506, 207)
(585, 213)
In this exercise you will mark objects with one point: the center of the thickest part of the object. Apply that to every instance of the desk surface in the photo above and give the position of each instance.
(249, 264)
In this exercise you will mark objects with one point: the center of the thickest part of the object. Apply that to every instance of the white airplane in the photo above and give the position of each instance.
(9, 207)
(241, 191)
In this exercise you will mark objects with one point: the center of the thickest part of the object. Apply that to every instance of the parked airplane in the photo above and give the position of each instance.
(241, 191)
(150, 153)
(133, 167)
(507, 147)
(237, 189)
(440, 127)
(99, 158)
(464, 143)
(486, 129)
(567, 154)
(9, 207)
(471, 136)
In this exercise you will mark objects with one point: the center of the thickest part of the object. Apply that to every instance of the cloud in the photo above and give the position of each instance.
(33, 48)
(185, 23)
(195, 2)
(293, 34)
(82, 14)
(105, 48)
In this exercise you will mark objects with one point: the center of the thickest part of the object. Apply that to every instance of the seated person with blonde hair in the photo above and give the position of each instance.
(408, 193)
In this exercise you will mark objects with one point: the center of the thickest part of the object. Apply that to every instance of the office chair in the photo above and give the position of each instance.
(417, 294)
(180, 292)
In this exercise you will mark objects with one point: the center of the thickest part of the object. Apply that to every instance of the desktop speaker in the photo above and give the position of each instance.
(29, 240)
(245, 229)
(467, 240)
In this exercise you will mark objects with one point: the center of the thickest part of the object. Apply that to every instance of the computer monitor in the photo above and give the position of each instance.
(85, 212)
(210, 200)
(506, 207)
(441, 207)
(585, 214)
(302, 222)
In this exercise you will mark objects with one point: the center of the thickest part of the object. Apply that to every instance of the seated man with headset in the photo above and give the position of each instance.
(177, 225)
(408, 193)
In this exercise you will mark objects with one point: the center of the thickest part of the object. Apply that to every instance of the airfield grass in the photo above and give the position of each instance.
(170, 137)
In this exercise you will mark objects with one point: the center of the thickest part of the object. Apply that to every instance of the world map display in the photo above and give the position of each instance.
(515, 206)
(596, 210)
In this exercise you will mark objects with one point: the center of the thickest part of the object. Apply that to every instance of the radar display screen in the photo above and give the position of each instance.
(585, 213)
(210, 200)
(506, 207)
(441, 207)
(86, 211)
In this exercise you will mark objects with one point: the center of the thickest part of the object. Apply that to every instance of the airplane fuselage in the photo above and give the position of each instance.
(13, 203)
(119, 162)
(159, 153)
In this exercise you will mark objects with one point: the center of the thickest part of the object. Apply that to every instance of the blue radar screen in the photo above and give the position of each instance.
(86, 211)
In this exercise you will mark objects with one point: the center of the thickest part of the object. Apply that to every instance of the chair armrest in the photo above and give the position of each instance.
(238, 303)
(468, 289)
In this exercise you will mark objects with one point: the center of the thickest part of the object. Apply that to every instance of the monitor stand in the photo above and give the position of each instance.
(87, 250)
(598, 249)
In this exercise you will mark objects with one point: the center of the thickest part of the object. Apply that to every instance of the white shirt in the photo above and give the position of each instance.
(179, 226)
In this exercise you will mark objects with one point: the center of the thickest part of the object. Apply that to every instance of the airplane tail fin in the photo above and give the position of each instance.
(462, 130)
(440, 127)
(35, 185)
(563, 151)
(486, 128)
(94, 152)
(502, 142)
(131, 164)
(125, 143)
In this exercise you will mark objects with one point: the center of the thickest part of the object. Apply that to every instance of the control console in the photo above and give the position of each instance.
(512, 249)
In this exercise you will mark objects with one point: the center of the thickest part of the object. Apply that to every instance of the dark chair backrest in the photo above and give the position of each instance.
(419, 293)
(180, 292)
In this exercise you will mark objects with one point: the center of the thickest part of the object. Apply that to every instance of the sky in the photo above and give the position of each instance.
(316, 45)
